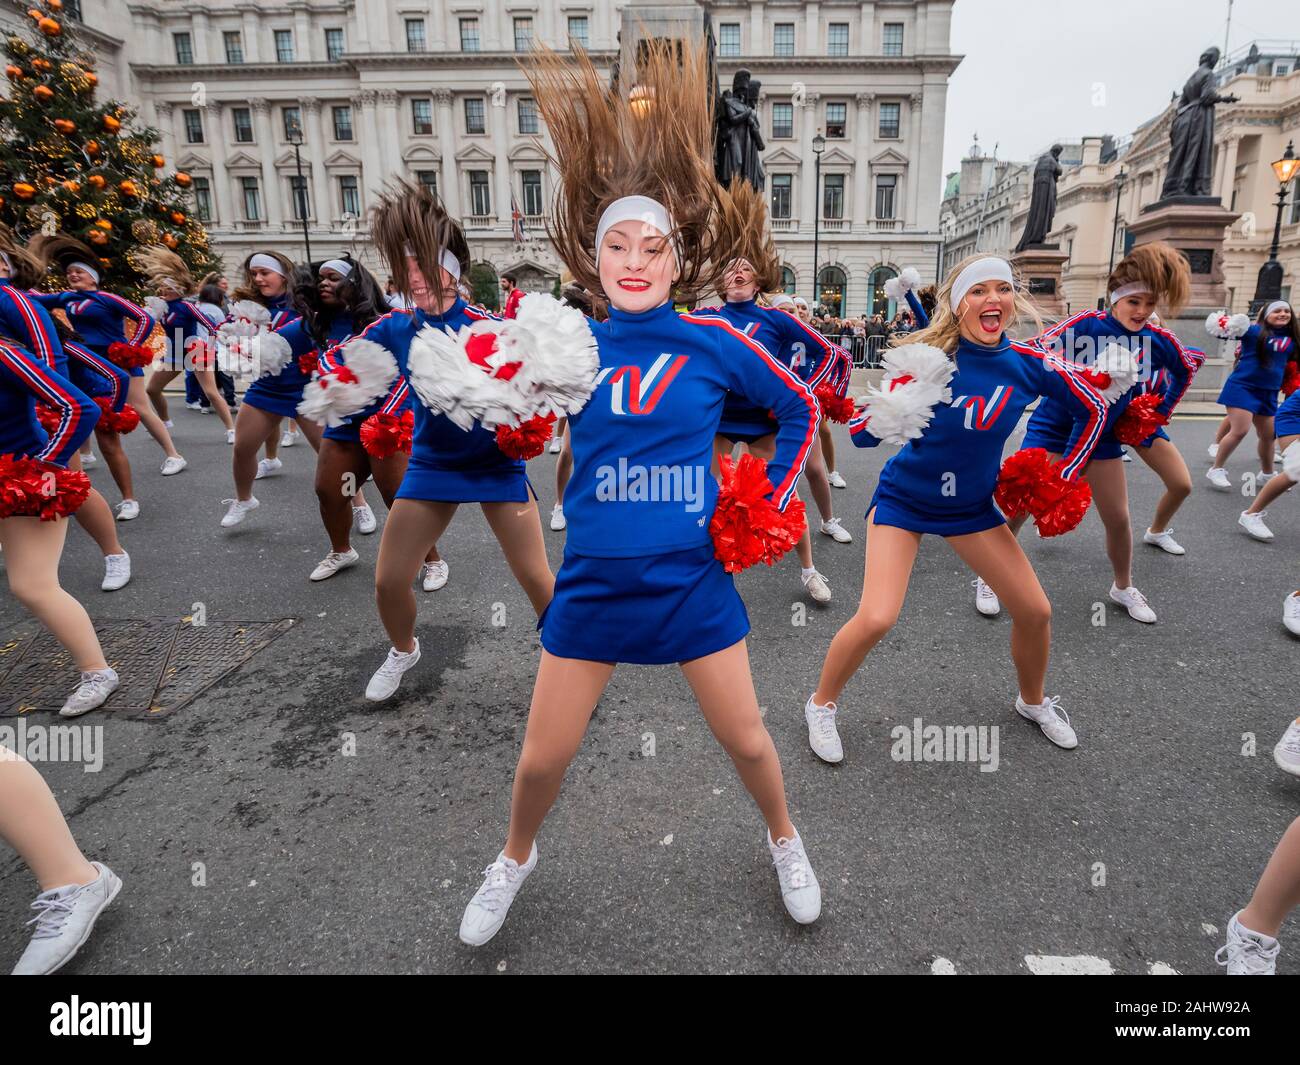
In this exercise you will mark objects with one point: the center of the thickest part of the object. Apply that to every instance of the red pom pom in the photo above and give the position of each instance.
(307, 363)
(1290, 378)
(32, 488)
(48, 417)
(527, 440)
(123, 421)
(834, 408)
(479, 346)
(747, 527)
(1029, 483)
(384, 435)
(1140, 419)
(129, 356)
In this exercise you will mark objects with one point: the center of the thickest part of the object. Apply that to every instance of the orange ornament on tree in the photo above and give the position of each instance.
(54, 5)
(41, 64)
(111, 124)
(178, 218)
(65, 126)
(128, 188)
(34, 15)
(92, 147)
(103, 223)
(14, 73)
(43, 93)
(72, 186)
(50, 27)
(183, 179)
(97, 181)
(159, 162)
(92, 79)
(24, 191)
(97, 236)
(170, 240)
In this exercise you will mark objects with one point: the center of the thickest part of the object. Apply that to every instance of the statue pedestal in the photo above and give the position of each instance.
(1040, 266)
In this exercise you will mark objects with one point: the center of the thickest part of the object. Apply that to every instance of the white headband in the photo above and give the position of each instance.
(781, 299)
(1134, 288)
(446, 260)
(990, 269)
(262, 261)
(87, 267)
(340, 266)
(1276, 305)
(633, 209)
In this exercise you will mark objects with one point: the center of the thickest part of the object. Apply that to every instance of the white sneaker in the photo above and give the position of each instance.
(818, 587)
(1248, 953)
(986, 600)
(365, 518)
(558, 520)
(173, 464)
(1213, 449)
(204, 410)
(1263, 478)
(238, 510)
(1291, 613)
(823, 737)
(836, 480)
(557, 445)
(230, 436)
(1124, 456)
(89, 461)
(288, 438)
(196, 405)
(837, 532)
(117, 572)
(65, 917)
(1053, 720)
(128, 510)
(433, 575)
(1165, 541)
(96, 686)
(1134, 602)
(1287, 752)
(487, 910)
(800, 891)
(1254, 524)
(388, 676)
(266, 467)
(1218, 477)
(169, 424)
(333, 562)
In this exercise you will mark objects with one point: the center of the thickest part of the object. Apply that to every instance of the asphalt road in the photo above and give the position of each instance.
(249, 841)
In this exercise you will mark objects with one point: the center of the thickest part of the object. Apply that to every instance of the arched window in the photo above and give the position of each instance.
(831, 292)
(879, 303)
(788, 284)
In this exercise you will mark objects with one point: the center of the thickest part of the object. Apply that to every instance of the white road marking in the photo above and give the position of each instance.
(943, 967)
(1068, 965)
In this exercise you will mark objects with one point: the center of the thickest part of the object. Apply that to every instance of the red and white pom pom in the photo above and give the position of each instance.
(1227, 326)
(363, 378)
(528, 439)
(121, 421)
(1140, 419)
(897, 288)
(384, 435)
(245, 343)
(129, 356)
(747, 527)
(157, 308)
(1116, 370)
(1290, 378)
(916, 381)
(48, 416)
(543, 361)
(1029, 483)
(1291, 461)
(31, 488)
(835, 408)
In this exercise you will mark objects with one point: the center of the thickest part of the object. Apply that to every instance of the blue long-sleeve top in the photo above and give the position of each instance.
(101, 318)
(438, 443)
(1263, 358)
(341, 329)
(26, 379)
(643, 444)
(188, 320)
(918, 310)
(953, 467)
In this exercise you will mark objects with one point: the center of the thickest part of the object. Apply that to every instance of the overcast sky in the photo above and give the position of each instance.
(1042, 70)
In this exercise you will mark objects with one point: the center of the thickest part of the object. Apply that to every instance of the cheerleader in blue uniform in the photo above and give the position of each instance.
(943, 480)
(1151, 274)
(1286, 424)
(640, 581)
(1250, 392)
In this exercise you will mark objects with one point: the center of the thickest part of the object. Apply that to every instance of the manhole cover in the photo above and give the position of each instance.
(163, 663)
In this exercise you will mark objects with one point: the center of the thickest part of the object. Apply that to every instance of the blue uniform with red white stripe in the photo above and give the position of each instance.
(102, 318)
(279, 393)
(1287, 420)
(1166, 368)
(640, 581)
(943, 482)
(25, 380)
(448, 464)
(187, 324)
(1256, 380)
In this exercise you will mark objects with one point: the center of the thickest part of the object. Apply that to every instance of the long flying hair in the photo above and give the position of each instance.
(943, 331)
(28, 269)
(742, 226)
(1160, 267)
(249, 291)
(61, 250)
(165, 269)
(412, 216)
(359, 296)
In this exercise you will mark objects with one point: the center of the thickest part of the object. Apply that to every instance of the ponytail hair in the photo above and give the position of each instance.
(1160, 267)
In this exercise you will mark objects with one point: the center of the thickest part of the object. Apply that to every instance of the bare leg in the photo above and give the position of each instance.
(818, 480)
(207, 380)
(518, 529)
(1238, 425)
(110, 446)
(564, 465)
(828, 444)
(96, 517)
(1278, 890)
(253, 426)
(273, 440)
(1264, 431)
(158, 380)
(764, 448)
(413, 526)
(1169, 466)
(1110, 493)
(1276, 486)
(139, 399)
(387, 474)
(31, 823)
(340, 469)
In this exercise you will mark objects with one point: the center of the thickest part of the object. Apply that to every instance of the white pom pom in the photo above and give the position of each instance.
(156, 307)
(901, 412)
(560, 355)
(922, 362)
(271, 354)
(367, 371)
(910, 278)
(894, 289)
(1121, 366)
(1291, 461)
(251, 311)
(1227, 326)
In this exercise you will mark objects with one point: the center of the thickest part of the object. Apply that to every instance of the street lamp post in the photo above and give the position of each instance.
(818, 146)
(300, 192)
(1268, 286)
(1114, 229)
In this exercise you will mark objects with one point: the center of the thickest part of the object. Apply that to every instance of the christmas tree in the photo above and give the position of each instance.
(72, 164)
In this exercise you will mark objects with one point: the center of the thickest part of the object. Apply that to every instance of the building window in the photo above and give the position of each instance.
(252, 202)
(1295, 204)
(474, 119)
(892, 38)
(342, 123)
(523, 34)
(578, 31)
(415, 35)
(234, 46)
(193, 126)
(422, 116)
(184, 48)
(479, 197)
(837, 39)
(881, 304)
(783, 39)
(203, 199)
(729, 39)
(334, 44)
(527, 114)
(532, 180)
(292, 123)
(781, 195)
(73, 9)
(886, 186)
(830, 290)
(836, 118)
(788, 282)
(889, 113)
(243, 125)
(350, 195)
(284, 46)
(298, 192)
(469, 35)
(833, 196)
(428, 179)
(782, 120)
